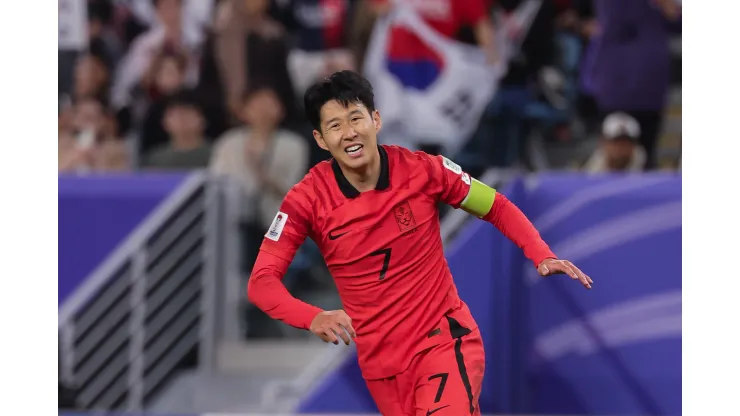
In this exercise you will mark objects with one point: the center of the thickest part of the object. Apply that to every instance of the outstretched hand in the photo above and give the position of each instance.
(330, 326)
(554, 266)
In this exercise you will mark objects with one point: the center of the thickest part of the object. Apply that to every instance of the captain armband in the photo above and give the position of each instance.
(479, 200)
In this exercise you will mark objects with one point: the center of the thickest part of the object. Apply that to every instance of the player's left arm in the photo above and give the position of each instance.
(459, 190)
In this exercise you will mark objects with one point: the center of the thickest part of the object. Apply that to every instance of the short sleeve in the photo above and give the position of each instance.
(291, 225)
(447, 181)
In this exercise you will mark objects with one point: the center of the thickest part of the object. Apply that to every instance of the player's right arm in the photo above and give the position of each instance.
(265, 288)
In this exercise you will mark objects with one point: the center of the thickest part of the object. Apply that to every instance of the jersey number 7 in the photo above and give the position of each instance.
(386, 260)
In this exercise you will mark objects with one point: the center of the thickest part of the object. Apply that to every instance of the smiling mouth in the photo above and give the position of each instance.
(354, 149)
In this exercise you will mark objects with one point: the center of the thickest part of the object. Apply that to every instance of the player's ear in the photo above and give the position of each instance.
(319, 140)
(377, 121)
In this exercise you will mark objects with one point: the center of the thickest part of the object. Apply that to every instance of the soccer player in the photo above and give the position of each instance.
(373, 212)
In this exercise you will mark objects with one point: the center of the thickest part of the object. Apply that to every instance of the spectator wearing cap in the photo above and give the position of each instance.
(620, 149)
(628, 63)
(187, 147)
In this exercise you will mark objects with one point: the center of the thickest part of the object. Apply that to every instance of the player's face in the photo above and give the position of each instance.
(348, 133)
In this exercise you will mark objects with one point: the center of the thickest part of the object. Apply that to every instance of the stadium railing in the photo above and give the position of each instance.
(127, 329)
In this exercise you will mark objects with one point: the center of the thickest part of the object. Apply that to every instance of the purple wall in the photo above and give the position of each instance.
(96, 213)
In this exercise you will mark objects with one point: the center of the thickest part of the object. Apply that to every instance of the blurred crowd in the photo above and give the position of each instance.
(218, 85)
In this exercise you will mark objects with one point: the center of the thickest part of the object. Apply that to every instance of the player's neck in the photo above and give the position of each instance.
(364, 178)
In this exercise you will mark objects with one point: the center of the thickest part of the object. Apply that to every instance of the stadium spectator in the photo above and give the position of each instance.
(320, 37)
(196, 15)
(90, 79)
(628, 63)
(250, 47)
(166, 76)
(620, 149)
(87, 140)
(265, 160)
(506, 124)
(167, 34)
(187, 147)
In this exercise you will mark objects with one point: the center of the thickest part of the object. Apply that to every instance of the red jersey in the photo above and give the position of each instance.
(384, 250)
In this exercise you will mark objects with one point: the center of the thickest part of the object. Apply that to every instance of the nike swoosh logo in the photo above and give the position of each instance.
(430, 412)
(335, 236)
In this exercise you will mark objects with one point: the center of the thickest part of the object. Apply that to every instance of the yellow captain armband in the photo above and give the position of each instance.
(479, 200)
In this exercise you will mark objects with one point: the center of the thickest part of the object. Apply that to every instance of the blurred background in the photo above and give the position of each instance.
(181, 128)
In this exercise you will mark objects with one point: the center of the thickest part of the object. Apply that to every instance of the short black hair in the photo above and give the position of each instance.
(185, 97)
(255, 87)
(343, 86)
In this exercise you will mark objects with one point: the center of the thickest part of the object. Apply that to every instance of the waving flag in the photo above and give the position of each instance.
(414, 63)
(436, 93)
(433, 94)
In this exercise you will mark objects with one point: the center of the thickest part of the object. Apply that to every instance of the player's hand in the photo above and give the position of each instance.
(554, 266)
(330, 326)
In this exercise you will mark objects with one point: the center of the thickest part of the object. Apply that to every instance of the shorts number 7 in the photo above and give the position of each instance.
(442, 383)
(387, 253)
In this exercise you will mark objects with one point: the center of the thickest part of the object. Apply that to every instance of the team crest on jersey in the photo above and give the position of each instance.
(404, 216)
(276, 228)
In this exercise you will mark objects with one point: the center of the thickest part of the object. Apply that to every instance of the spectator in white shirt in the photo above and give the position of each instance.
(265, 160)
